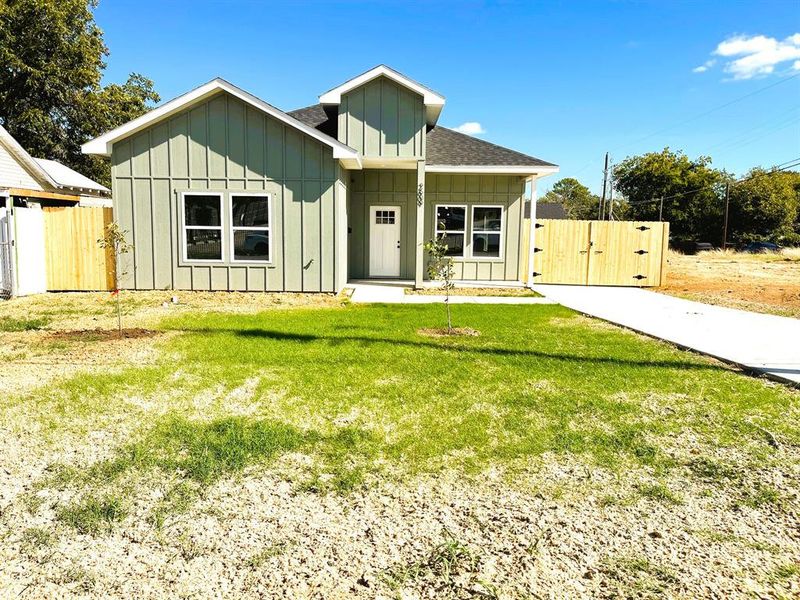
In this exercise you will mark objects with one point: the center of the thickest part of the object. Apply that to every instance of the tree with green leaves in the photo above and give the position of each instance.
(52, 58)
(440, 268)
(692, 192)
(765, 206)
(577, 200)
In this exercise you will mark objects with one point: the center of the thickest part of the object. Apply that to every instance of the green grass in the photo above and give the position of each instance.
(13, 324)
(658, 492)
(360, 392)
(93, 514)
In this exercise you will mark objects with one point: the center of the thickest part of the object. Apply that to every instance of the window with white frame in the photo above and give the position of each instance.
(451, 227)
(202, 226)
(251, 220)
(487, 231)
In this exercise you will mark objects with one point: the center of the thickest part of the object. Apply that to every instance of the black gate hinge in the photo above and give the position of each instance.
(640, 277)
(535, 249)
(535, 274)
(537, 225)
(640, 252)
(642, 228)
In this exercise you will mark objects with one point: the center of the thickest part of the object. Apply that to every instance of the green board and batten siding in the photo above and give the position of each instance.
(224, 145)
(381, 188)
(504, 190)
(383, 119)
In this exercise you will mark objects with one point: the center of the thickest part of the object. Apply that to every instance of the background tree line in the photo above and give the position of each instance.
(52, 58)
(764, 204)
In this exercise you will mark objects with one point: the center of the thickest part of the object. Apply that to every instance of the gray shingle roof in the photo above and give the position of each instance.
(547, 210)
(319, 117)
(448, 147)
(444, 146)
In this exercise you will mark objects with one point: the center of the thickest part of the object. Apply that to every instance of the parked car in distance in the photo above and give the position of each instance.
(691, 247)
(760, 247)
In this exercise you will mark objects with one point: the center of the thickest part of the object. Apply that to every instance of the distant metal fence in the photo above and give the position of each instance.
(6, 256)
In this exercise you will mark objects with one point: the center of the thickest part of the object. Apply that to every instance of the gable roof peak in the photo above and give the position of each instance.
(102, 144)
(433, 101)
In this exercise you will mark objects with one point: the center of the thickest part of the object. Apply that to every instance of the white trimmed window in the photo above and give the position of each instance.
(251, 228)
(487, 231)
(451, 226)
(202, 227)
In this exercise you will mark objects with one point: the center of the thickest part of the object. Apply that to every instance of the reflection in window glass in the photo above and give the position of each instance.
(487, 231)
(202, 220)
(203, 244)
(451, 227)
(251, 228)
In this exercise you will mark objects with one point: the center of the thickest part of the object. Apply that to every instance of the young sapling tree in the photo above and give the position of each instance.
(440, 268)
(114, 240)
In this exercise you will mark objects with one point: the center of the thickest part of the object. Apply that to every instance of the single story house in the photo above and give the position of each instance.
(222, 191)
(45, 182)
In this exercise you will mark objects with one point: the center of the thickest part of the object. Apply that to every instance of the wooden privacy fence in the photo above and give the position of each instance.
(624, 253)
(73, 259)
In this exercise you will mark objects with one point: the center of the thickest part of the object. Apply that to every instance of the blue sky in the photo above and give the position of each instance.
(561, 81)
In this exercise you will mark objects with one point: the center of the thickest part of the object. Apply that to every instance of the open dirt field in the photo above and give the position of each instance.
(766, 283)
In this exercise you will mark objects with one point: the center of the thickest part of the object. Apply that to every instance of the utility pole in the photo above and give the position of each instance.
(661, 209)
(610, 195)
(725, 223)
(603, 199)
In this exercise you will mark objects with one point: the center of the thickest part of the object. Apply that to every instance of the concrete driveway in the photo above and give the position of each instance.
(763, 343)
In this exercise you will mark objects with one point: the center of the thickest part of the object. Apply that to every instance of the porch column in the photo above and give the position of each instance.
(419, 238)
(532, 232)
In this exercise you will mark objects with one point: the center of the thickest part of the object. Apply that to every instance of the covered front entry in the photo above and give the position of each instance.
(384, 241)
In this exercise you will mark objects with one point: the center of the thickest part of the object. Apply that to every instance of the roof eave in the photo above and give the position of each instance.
(533, 170)
(102, 144)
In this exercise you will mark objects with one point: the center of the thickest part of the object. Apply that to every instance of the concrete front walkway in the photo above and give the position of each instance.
(763, 343)
(391, 292)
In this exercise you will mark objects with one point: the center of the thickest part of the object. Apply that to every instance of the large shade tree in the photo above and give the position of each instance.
(52, 58)
(577, 200)
(692, 191)
(765, 205)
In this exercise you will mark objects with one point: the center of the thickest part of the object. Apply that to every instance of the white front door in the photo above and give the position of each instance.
(384, 241)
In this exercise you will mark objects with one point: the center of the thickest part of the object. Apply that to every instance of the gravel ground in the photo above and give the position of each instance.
(562, 529)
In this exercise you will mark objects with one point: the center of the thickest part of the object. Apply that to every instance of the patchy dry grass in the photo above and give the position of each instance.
(338, 452)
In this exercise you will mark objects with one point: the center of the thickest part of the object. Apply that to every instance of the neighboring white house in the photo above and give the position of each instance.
(26, 185)
(44, 181)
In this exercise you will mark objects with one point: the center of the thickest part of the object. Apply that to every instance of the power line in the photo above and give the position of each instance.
(699, 116)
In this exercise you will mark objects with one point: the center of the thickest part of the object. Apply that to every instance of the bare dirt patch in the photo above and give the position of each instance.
(438, 332)
(760, 283)
(99, 335)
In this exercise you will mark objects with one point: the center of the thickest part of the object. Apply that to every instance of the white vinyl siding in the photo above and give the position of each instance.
(13, 174)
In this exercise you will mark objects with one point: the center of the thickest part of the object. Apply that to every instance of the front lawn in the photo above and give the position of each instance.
(249, 440)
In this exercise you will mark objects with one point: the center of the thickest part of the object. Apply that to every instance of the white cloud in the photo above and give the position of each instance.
(470, 128)
(756, 55)
(705, 66)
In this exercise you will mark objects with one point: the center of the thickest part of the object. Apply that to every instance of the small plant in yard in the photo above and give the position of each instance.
(440, 267)
(114, 240)
(93, 515)
(448, 567)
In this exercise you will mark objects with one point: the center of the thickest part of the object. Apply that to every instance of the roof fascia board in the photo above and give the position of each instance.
(493, 169)
(429, 97)
(102, 145)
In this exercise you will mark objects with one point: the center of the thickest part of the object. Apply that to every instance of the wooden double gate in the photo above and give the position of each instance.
(625, 253)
